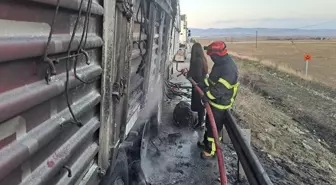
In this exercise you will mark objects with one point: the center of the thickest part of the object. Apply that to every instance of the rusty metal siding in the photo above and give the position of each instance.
(38, 136)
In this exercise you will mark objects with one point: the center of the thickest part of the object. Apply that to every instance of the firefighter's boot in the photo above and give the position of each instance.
(209, 149)
(205, 155)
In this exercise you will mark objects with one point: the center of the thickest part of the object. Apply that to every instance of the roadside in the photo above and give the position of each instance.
(293, 124)
(293, 133)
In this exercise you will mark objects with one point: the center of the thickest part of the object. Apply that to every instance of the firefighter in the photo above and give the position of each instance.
(220, 90)
(197, 71)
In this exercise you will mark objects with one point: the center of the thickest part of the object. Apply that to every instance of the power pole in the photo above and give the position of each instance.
(257, 39)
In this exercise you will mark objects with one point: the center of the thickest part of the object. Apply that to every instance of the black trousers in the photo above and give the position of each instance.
(220, 118)
(201, 114)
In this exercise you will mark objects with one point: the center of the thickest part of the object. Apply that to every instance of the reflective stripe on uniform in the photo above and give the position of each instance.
(213, 146)
(234, 94)
(210, 96)
(206, 81)
(221, 107)
(228, 86)
(235, 89)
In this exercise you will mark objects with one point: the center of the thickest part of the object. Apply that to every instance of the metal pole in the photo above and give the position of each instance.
(307, 67)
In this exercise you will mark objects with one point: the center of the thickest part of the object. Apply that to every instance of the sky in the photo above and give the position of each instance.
(307, 14)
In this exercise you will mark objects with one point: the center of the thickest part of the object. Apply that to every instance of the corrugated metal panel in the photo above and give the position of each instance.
(37, 134)
(137, 64)
(39, 142)
(80, 165)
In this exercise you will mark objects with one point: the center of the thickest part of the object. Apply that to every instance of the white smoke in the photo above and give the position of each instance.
(152, 107)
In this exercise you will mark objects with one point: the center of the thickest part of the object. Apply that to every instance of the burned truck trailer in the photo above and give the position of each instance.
(75, 77)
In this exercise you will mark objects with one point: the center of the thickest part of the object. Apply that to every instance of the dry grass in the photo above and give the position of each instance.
(280, 67)
(282, 138)
(288, 57)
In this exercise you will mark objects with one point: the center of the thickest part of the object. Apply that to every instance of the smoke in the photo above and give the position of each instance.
(149, 116)
(153, 100)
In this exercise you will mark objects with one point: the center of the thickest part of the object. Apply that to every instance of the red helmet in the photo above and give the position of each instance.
(217, 48)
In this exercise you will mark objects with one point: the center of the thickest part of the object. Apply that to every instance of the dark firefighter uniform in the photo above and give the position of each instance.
(220, 90)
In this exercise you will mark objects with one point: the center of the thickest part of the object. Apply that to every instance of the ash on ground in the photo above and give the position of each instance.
(174, 158)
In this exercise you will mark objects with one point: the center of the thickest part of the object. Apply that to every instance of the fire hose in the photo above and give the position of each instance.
(255, 173)
(222, 170)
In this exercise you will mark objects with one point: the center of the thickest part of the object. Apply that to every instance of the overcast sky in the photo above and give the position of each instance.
(260, 13)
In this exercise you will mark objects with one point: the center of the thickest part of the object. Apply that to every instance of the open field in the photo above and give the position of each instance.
(288, 57)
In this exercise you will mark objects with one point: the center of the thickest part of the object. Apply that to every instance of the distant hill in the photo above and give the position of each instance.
(263, 32)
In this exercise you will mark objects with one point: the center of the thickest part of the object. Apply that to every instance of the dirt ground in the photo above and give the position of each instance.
(293, 124)
(290, 55)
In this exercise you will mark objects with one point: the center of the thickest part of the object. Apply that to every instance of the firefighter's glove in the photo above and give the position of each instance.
(184, 71)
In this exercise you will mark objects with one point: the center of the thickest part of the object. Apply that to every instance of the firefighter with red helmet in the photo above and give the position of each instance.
(220, 90)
